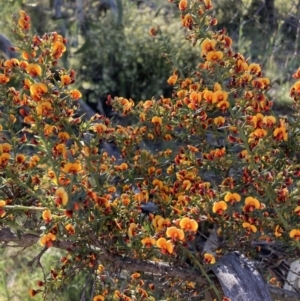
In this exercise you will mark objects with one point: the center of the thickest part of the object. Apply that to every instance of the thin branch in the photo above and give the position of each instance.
(280, 294)
(130, 264)
(155, 268)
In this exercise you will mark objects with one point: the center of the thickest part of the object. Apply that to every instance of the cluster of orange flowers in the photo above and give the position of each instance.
(243, 97)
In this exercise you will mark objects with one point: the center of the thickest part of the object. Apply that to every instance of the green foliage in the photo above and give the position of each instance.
(123, 59)
(19, 273)
(265, 33)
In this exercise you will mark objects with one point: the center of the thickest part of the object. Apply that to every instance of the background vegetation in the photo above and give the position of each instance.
(114, 54)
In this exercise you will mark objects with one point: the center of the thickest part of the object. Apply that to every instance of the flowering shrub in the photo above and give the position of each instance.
(236, 168)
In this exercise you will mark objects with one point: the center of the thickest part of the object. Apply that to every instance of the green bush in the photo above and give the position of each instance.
(119, 56)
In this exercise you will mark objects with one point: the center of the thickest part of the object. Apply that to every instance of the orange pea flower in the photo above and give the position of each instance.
(99, 128)
(218, 152)
(280, 133)
(73, 168)
(99, 298)
(295, 234)
(223, 105)
(47, 216)
(70, 229)
(241, 65)
(23, 65)
(37, 90)
(188, 224)
(195, 97)
(65, 80)
(208, 96)
(59, 149)
(297, 74)
(257, 134)
(186, 83)
(219, 96)
(12, 118)
(5, 148)
(186, 184)
(249, 227)
(182, 93)
(32, 292)
(172, 80)
(153, 31)
(175, 233)
(26, 84)
(158, 221)
(150, 136)
(257, 120)
(157, 183)
(4, 159)
(232, 197)
(269, 121)
(219, 207)
(278, 231)
(228, 41)
(20, 158)
(75, 94)
(187, 21)
(47, 240)
(58, 48)
(4, 79)
(208, 4)
(24, 20)
(34, 160)
(261, 83)
(127, 104)
(162, 224)
(166, 246)
(63, 136)
(34, 70)
(148, 104)
(11, 63)
(25, 56)
(100, 269)
(49, 129)
(132, 229)
(265, 80)
(193, 149)
(182, 5)
(208, 45)
(123, 166)
(2, 211)
(217, 87)
(209, 258)
(251, 204)
(254, 69)
(61, 196)
(148, 242)
(44, 108)
(156, 120)
(219, 121)
(213, 56)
